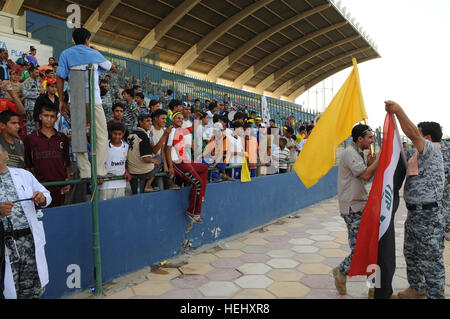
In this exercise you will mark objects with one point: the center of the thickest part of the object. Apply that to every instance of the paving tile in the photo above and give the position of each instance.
(195, 269)
(253, 250)
(277, 238)
(279, 245)
(223, 289)
(282, 263)
(254, 269)
(322, 238)
(317, 232)
(223, 274)
(301, 241)
(335, 229)
(285, 275)
(305, 249)
(182, 294)
(327, 244)
(152, 288)
(229, 253)
(288, 289)
(309, 258)
(333, 253)
(286, 253)
(254, 294)
(164, 274)
(333, 262)
(189, 281)
(314, 269)
(235, 245)
(227, 263)
(254, 281)
(255, 241)
(254, 258)
(202, 258)
(318, 281)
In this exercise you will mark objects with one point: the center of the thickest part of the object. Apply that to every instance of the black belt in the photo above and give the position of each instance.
(421, 206)
(16, 234)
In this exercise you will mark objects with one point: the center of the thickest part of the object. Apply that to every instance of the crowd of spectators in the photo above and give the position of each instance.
(192, 142)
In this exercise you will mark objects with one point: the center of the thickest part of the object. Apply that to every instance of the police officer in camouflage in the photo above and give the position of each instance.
(445, 149)
(354, 171)
(424, 227)
(31, 90)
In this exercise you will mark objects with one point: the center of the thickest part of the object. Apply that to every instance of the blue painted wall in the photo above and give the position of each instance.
(140, 230)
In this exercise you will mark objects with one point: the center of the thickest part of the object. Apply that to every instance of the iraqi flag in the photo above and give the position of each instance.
(374, 253)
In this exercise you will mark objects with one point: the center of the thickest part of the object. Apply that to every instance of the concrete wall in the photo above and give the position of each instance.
(140, 230)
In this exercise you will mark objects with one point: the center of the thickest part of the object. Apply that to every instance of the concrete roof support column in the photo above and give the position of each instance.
(99, 16)
(12, 6)
(157, 33)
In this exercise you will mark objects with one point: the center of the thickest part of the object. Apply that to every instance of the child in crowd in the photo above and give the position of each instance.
(116, 164)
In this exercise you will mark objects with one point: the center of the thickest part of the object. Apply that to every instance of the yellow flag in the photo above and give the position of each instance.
(245, 172)
(334, 127)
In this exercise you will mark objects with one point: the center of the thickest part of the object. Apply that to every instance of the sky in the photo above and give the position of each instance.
(414, 69)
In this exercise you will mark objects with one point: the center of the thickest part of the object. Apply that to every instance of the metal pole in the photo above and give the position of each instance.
(95, 218)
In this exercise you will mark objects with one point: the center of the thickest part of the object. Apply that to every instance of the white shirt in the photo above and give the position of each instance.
(156, 137)
(174, 153)
(210, 119)
(236, 146)
(104, 65)
(115, 165)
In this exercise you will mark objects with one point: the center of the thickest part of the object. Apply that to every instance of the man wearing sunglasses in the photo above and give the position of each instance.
(354, 172)
(25, 267)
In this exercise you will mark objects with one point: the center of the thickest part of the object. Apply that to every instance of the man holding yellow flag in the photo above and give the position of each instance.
(317, 157)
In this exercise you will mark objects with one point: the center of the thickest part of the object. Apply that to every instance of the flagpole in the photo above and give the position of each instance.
(355, 67)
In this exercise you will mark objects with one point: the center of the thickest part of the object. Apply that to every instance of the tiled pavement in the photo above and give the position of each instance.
(290, 258)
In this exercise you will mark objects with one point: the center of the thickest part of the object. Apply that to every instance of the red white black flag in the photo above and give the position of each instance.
(374, 252)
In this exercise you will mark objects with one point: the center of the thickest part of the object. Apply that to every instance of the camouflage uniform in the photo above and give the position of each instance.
(352, 221)
(25, 274)
(131, 113)
(445, 150)
(424, 228)
(31, 91)
(107, 103)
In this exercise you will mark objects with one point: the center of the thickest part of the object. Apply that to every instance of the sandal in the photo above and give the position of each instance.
(175, 187)
(151, 190)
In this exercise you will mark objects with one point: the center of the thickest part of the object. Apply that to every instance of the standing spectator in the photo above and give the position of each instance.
(15, 85)
(131, 110)
(175, 106)
(188, 102)
(207, 103)
(32, 57)
(301, 134)
(141, 104)
(154, 106)
(211, 112)
(107, 100)
(31, 89)
(309, 129)
(195, 174)
(291, 146)
(136, 89)
(118, 112)
(49, 98)
(159, 135)
(445, 149)
(197, 106)
(4, 73)
(251, 148)
(235, 149)
(49, 74)
(47, 155)
(25, 72)
(280, 157)
(165, 100)
(188, 127)
(10, 125)
(143, 164)
(49, 66)
(79, 57)
(116, 164)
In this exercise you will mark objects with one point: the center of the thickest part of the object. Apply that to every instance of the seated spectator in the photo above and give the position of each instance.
(235, 150)
(280, 156)
(301, 134)
(49, 66)
(10, 125)
(116, 164)
(47, 155)
(142, 105)
(195, 174)
(31, 89)
(117, 112)
(31, 58)
(159, 135)
(107, 100)
(4, 73)
(15, 85)
(154, 106)
(142, 163)
(131, 111)
(49, 98)
(175, 106)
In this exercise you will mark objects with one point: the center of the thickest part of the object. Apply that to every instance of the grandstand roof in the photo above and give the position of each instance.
(280, 47)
